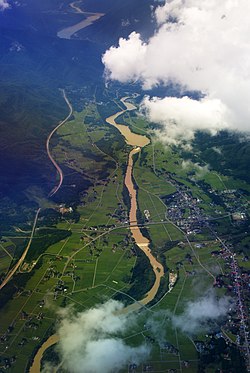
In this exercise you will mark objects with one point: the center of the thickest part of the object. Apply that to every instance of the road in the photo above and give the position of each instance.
(59, 170)
(20, 261)
(136, 141)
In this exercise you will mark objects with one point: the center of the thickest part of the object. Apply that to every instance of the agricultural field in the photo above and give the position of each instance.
(94, 257)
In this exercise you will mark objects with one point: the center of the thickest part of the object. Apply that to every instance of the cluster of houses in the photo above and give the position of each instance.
(184, 210)
(236, 281)
(120, 214)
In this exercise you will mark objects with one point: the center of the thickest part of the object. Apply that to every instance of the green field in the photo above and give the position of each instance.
(96, 261)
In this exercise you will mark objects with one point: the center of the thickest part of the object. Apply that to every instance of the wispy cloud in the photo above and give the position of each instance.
(4, 4)
(199, 314)
(200, 171)
(201, 46)
(91, 341)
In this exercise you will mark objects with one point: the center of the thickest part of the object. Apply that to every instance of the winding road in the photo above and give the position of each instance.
(137, 142)
(59, 170)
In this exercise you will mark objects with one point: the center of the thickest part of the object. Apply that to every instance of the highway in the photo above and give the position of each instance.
(59, 170)
(20, 261)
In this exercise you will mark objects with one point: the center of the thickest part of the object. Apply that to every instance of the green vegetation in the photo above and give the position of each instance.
(44, 239)
(83, 254)
(142, 278)
(217, 151)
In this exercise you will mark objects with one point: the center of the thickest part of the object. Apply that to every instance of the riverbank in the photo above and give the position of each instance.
(68, 32)
(137, 142)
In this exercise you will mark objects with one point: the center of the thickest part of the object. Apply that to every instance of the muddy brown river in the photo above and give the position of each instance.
(68, 32)
(137, 142)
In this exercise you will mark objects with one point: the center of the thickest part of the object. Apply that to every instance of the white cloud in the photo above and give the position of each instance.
(200, 45)
(48, 368)
(200, 171)
(4, 5)
(125, 62)
(180, 117)
(91, 341)
(199, 314)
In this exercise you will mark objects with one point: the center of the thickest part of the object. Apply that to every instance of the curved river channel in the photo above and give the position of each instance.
(137, 142)
(68, 32)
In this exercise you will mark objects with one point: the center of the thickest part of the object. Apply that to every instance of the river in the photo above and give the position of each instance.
(67, 32)
(36, 365)
(131, 138)
(138, 142)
